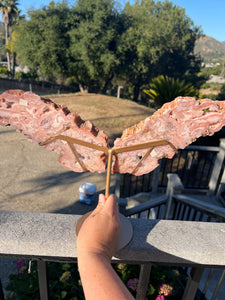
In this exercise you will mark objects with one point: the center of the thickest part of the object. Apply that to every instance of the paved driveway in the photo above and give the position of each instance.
(31, 179)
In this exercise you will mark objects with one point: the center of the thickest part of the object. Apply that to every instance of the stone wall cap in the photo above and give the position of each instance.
(51, 236)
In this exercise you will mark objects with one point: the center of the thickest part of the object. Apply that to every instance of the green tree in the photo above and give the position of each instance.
(221, 95)
(98, 43)
(11, 50)
(43, 41)
(164, 89)
(159, 39)
(9, 10)
(94, 43)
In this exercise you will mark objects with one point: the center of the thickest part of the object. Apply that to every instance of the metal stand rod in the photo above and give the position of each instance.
(108, 176)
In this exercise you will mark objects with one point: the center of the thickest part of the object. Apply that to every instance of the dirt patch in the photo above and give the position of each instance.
(209, 91)
(110, 114)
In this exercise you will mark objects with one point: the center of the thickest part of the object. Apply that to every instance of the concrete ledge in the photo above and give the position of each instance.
(52, 237)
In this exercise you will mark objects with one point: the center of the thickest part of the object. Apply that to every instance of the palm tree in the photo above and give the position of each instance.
(9, 11)
(164, 89)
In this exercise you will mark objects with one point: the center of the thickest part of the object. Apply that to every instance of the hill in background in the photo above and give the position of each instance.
(211, 50)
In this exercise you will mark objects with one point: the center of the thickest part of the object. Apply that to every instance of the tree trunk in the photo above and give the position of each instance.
(107, 81)
(13, 64)
(136, 92)
(6, 41)
(83, 89)
(8, 61)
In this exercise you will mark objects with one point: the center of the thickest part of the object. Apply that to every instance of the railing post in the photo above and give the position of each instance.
(221, 189)
(218, 285)
(217, 168)
(1, 292)
(174, 186)
(192, 284)
(122, 203)
(143, 281)
(43, 280)
(155, 179)
(117, 186)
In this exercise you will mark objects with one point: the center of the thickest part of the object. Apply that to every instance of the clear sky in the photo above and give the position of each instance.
(209, 14)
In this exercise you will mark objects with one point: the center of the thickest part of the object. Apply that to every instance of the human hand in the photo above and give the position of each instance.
(96, 243)
(99, 233)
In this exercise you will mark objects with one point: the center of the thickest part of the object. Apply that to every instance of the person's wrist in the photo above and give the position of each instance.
(89, 256)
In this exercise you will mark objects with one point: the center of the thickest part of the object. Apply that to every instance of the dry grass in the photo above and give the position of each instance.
(209, 91)
(110, 114)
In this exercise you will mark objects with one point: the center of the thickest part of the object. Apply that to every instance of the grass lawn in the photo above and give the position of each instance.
(110, 114)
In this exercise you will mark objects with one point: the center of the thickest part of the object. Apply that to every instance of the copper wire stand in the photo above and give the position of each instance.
(126, 231)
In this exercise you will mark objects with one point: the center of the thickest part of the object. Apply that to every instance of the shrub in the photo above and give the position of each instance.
(4, 72)
(221, 95)
(208, 96)
(166, 282)
(64, 281)
(29, 75)
(164, 89)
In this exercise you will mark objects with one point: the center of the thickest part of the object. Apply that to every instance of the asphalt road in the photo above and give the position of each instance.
(31, 179)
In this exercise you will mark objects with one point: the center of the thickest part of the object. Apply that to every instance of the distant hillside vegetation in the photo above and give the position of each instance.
(210, 49)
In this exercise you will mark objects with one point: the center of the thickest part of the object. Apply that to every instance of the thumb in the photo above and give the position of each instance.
(111, 204)
(101, 199)
(101, 202)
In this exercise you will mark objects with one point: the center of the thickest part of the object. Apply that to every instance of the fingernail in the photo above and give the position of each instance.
(101, 199)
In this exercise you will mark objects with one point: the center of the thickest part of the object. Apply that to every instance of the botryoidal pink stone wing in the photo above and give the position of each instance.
(39, 119)
(179, 122)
